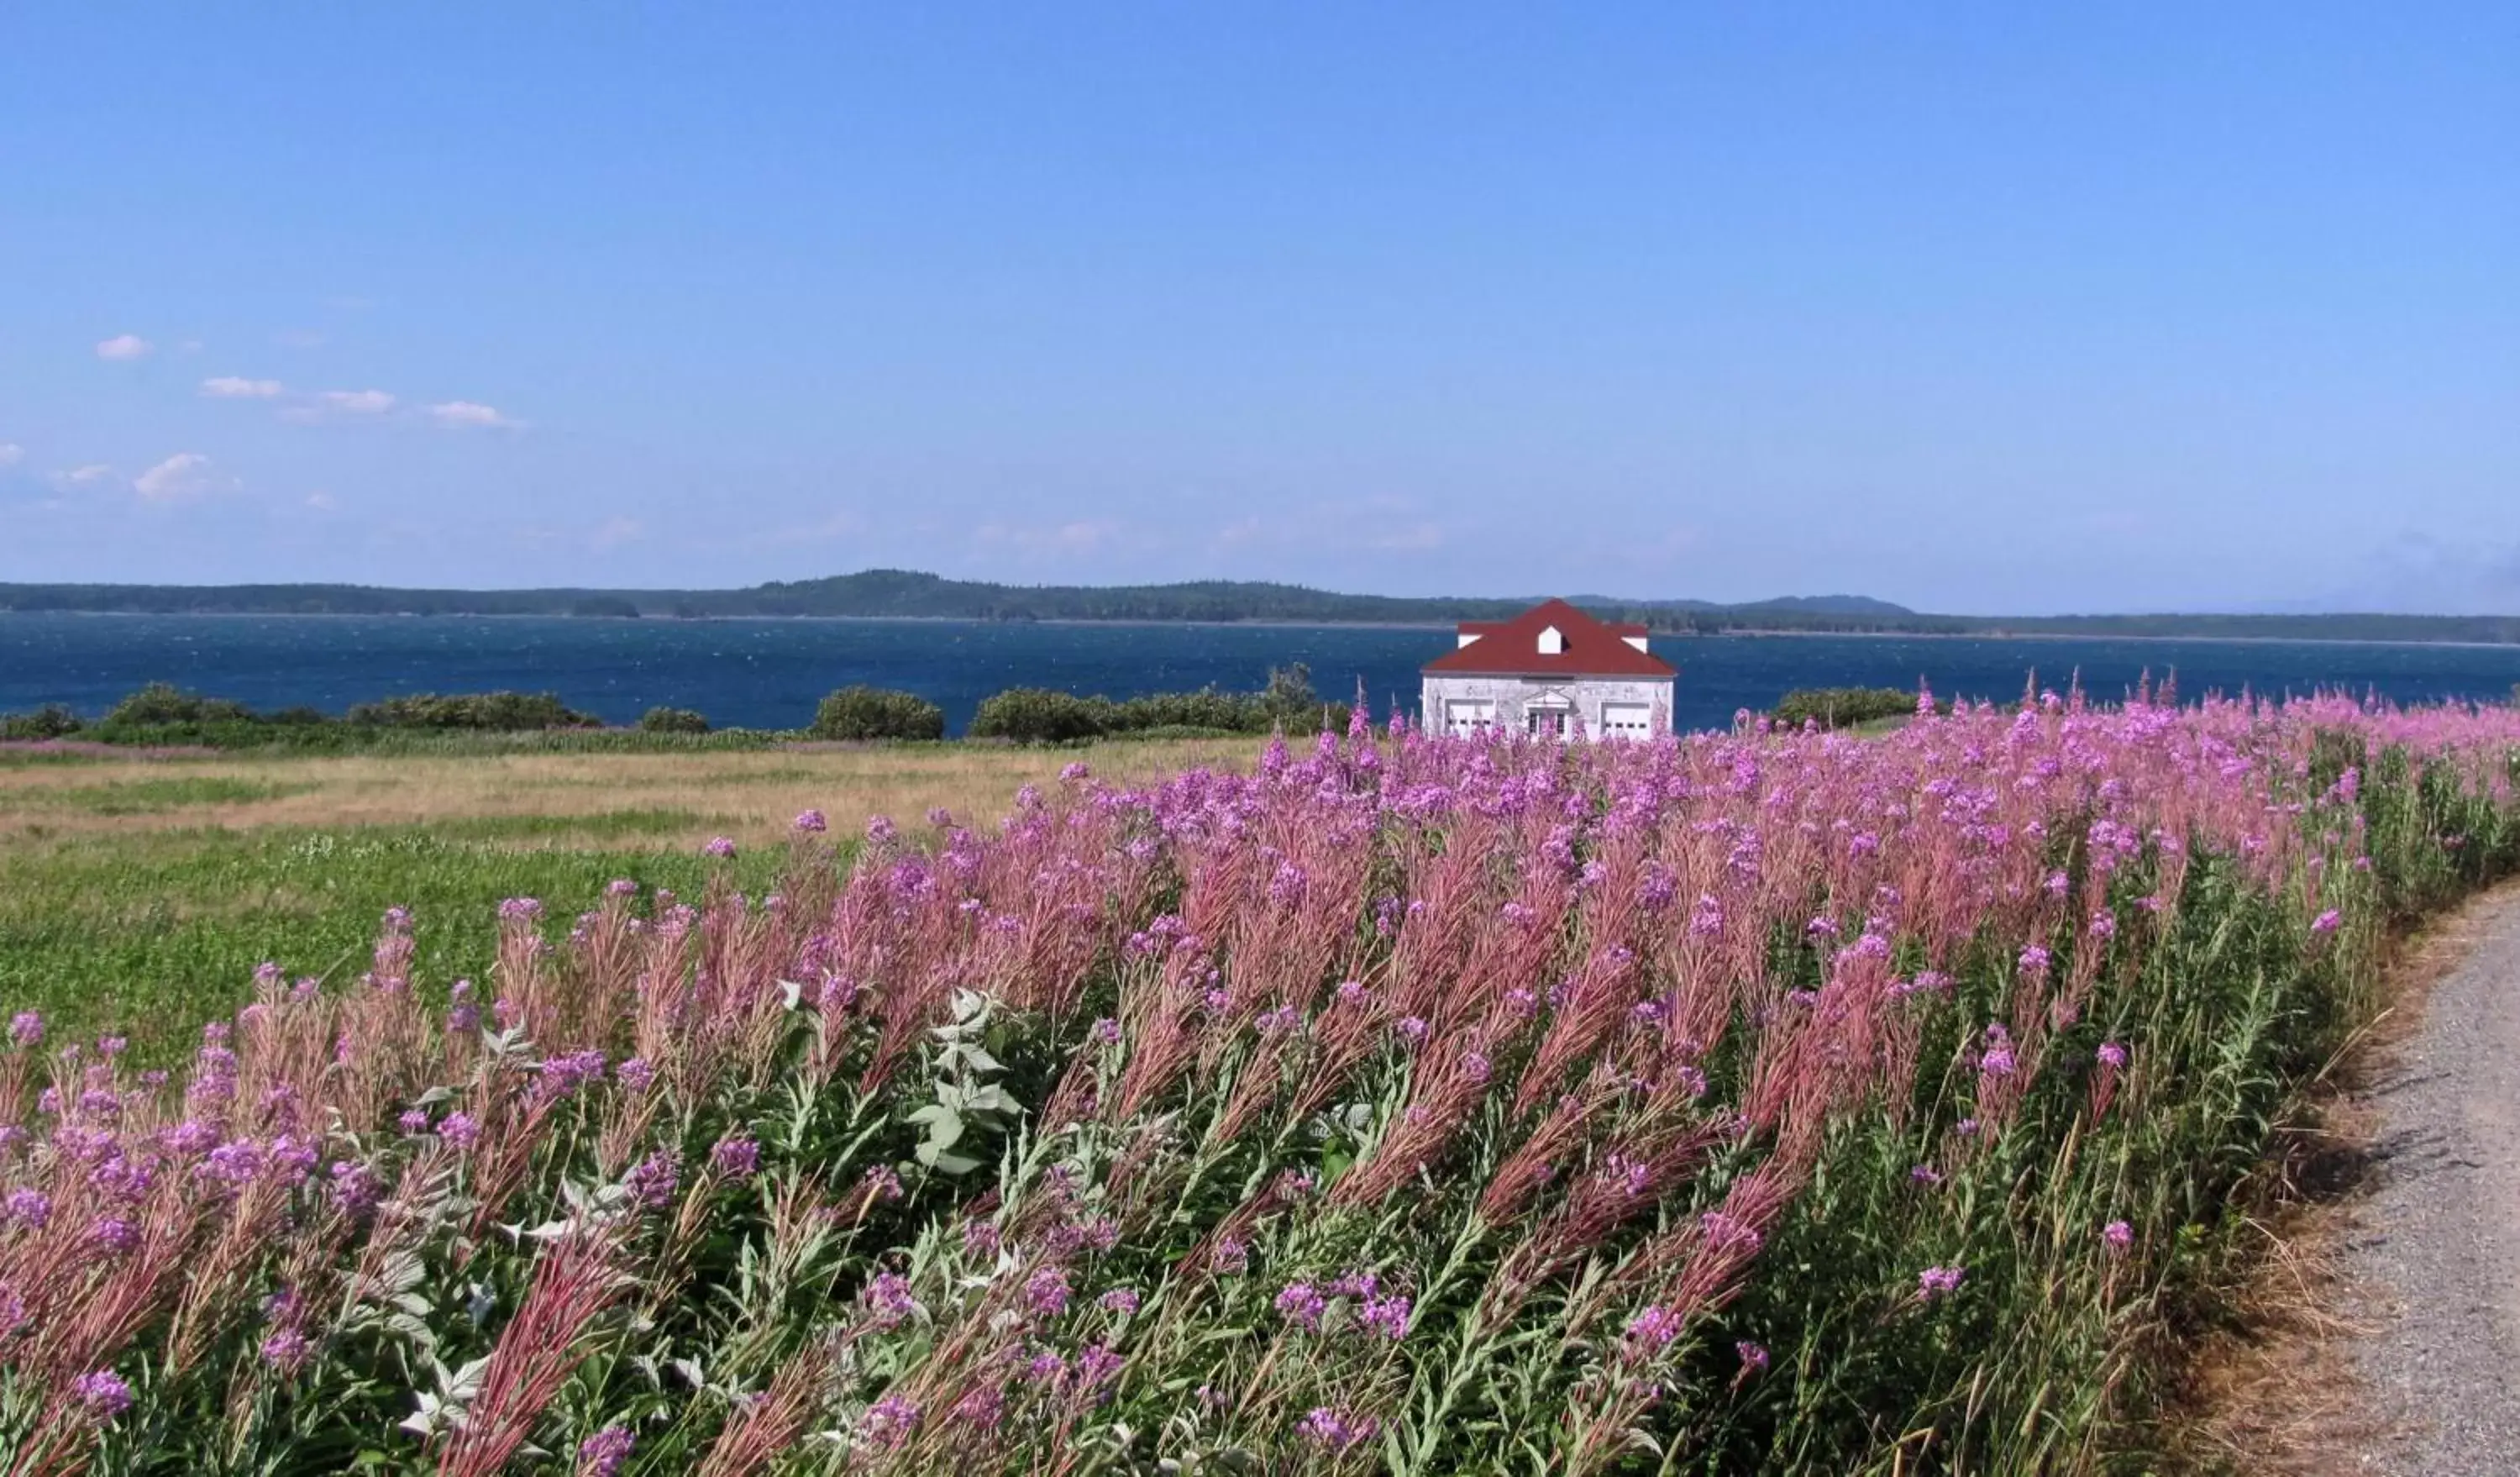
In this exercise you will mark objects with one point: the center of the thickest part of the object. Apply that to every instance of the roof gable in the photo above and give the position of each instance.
(1584, 646)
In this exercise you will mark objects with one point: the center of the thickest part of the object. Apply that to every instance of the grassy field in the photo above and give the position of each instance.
(143, 891)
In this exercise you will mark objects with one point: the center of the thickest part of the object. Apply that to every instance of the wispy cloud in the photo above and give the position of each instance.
(10, 453)
(233, 387)
(322, 502)
(613, 533)
(357, 402)
(182, 477)
(465, 415)
(1061, 540)
(80, 477)
(124, 346)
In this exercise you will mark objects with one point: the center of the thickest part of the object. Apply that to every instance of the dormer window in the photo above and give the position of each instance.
(1552, 642)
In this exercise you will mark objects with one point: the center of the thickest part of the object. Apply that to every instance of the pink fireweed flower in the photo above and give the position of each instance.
(2110, 1055)
(888, 1301)
(29, 1208)
(1925, 1174)
(2118, 1235)
(1412, 1029)
(889, 1421)
(652, 1181)
(286, 1349)
(354, 1189)
(1302, 1305)
(736, 1157)
(2326, 922)
(1724, 1232)
(1046, 1292)
(634, 1073)
(1939, 1281)
(810, 822)
(413, 1121)
(2104, 925)
(1387, 1316)
(880, 1184)
(603, 1454)
(722, 847)
(1095, 1364)
(102, 1394)
(460, 1130)
(27, 1028)
(1753, 1356)
(982, 1409)
(2034, 960)
(881, 831)
(520, 910)
(1650, 1333)
(1334, 1430)
(112, 1234)
(1120, 1300)
(1104, 1032)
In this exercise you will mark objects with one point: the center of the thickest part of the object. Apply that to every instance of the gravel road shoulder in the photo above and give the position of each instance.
(2430, 1262)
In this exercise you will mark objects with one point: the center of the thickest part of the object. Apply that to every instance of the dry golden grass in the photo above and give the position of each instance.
(655, 800)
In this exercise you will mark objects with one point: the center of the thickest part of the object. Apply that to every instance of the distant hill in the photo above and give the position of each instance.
(903, 593)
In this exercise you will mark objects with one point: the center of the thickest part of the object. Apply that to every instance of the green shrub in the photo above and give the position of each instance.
(1207, 709)
(865, 712)
(1843, 707)
(161, 704)
(672, 721)
(1042, 715)
(505, 713)
(51, 721)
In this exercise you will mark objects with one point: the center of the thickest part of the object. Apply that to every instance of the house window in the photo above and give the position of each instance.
(1552, 643)
(1546, 723)
(1469, 717)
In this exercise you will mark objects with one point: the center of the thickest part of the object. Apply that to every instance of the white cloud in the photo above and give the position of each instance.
(92, 472)
(322, 502)
(468, 414)
(613, 533)
(232, 387)
(10, 453)
(185, 474)
(357, 402)
(124, 346)
(1083, 536)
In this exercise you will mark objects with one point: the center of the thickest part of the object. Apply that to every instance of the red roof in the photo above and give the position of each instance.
(1511, 648)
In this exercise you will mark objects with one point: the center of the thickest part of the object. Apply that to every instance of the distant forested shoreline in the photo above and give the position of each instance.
(905, 594)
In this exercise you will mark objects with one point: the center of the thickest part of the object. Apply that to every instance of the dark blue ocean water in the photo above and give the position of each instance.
(770, 673)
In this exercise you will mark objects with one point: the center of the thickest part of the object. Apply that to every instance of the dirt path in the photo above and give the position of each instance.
(2432, 1259)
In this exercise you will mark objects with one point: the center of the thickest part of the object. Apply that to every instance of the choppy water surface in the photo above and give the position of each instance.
(770, 673)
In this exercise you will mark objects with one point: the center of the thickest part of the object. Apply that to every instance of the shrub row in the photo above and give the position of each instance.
(1844, 707)
(1042, 715)
(162, 714)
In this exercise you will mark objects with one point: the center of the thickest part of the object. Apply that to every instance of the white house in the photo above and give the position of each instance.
(1543, 672)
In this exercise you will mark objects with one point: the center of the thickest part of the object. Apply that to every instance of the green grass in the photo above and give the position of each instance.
(152, 934)
(142, 797)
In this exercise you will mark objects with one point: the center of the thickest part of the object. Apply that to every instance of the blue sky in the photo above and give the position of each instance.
(1977, 308)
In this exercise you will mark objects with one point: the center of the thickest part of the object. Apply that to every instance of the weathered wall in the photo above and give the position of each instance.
(1512, 697)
